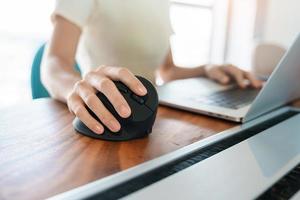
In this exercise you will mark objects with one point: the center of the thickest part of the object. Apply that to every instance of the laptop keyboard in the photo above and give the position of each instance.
(233, 98)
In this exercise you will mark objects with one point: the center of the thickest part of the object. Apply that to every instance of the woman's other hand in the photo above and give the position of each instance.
(224, 74)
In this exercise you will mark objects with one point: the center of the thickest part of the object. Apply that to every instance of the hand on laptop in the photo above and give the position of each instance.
(224, 74)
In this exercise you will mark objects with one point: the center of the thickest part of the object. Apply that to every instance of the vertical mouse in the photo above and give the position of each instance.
(137, 125)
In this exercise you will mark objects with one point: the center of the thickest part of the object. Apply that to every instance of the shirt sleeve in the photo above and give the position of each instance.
(76, 11)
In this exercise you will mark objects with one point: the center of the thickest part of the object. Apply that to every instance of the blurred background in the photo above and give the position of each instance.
(206, 31)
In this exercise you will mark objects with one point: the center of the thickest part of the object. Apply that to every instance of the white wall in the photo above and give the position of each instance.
(282, 21)
(241, 33)
(252, 21)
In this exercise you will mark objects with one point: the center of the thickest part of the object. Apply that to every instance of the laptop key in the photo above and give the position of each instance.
(234, 98)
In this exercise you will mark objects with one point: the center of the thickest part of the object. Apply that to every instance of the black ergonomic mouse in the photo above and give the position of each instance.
(138, 124)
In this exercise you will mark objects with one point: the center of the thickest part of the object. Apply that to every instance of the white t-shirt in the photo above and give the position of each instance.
(128, 33)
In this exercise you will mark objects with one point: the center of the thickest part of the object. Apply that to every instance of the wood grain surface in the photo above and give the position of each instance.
(41, 155)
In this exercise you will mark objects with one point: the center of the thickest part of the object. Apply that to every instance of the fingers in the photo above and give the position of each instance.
(125, 76)
(240, 76)
(109, 89)
(223, 74)
(237, 75)
(76, 105)
(218, 75)
(87, 93)
(253, 81)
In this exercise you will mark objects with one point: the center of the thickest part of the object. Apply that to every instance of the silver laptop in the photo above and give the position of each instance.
(203, 96)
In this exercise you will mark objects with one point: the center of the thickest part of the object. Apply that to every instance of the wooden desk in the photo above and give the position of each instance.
(41, 155)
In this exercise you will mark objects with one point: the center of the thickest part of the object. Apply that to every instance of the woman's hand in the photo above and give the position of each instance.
(224, 74)
(101, 79)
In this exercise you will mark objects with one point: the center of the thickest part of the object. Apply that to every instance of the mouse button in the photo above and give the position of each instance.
(138, 99)
(139, 111)
(121, 87)
(152, 100)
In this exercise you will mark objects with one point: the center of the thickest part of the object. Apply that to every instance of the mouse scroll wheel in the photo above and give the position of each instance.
(140, 100)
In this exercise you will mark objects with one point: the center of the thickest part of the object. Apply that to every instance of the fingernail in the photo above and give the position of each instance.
(125, 112)
(114, 126)
(99, 129)
(142, 90)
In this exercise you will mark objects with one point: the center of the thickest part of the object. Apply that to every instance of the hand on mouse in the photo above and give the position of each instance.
(101, 79)
(225, 73)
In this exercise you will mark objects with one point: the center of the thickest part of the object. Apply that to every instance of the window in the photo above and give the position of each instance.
(200, 31)
(24, 26)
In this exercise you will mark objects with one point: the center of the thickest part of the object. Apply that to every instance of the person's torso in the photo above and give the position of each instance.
(128, 33)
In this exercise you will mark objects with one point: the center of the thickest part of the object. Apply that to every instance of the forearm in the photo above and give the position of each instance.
(169, 71)
(58, 77)
(175, 72)
(57, 72)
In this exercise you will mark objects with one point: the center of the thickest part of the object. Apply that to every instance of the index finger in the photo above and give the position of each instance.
(237, 74)
(128, 78)
(254, 81)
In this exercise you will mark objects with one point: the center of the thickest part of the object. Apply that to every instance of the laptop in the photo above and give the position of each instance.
(204, 96)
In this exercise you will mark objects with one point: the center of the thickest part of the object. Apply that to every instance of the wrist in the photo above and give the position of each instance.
(207, 68)
(200, 71)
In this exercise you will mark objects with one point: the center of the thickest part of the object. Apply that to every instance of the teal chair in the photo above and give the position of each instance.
(37, 88)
